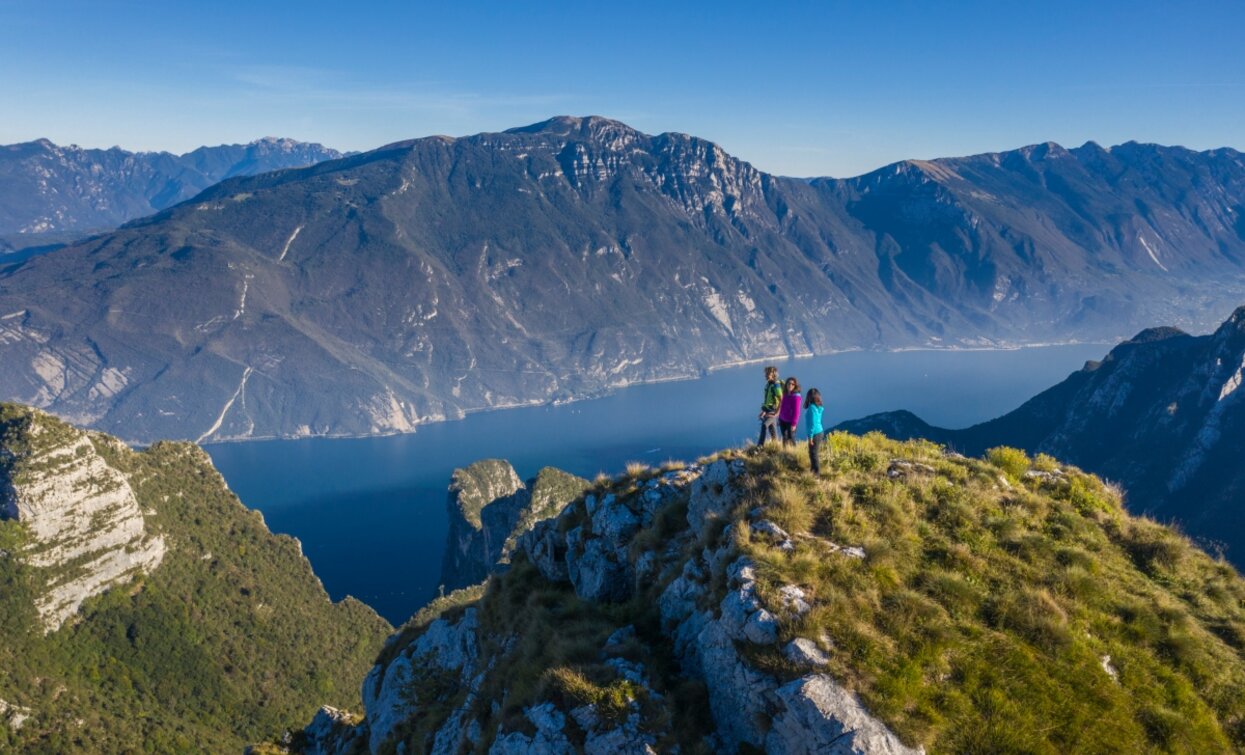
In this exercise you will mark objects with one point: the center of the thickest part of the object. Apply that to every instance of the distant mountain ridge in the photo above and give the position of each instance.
(46, 188)
(1162, 415)
(442, 275)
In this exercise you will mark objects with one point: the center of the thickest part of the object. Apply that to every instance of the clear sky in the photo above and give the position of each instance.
(797, 88)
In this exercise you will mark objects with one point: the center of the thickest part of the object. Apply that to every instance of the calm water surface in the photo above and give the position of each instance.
(371, 515)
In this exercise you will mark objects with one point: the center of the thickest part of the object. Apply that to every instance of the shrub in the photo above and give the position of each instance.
(1012, 461)
(612, 700)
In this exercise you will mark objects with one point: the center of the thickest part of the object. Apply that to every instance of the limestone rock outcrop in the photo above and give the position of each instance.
(85, 529)
(452, 669)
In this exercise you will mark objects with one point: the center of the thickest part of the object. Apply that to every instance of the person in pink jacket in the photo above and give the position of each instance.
(789, 411)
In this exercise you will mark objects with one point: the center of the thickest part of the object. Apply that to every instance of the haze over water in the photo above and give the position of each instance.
(371, 514)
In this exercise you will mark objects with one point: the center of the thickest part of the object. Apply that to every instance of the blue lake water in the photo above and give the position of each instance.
(371, 515)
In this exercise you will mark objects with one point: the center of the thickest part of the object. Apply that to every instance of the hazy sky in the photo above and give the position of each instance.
(815, 88)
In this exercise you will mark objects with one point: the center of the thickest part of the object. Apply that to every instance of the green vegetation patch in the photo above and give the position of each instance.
(1003, 605)
(231, 640)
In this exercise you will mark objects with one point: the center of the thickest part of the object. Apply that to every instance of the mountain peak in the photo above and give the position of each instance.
(1043, 151)
(588, 125)
(1235, 323)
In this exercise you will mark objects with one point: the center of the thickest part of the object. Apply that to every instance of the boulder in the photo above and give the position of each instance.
(446, 645)
(818, 716)
(596, 572)
(550, 737)
(804, 653)
(712, 495)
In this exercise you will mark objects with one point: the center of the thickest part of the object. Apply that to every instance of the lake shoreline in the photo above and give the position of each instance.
(614, 388)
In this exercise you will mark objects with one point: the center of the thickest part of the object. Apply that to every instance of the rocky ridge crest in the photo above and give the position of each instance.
(741, 604)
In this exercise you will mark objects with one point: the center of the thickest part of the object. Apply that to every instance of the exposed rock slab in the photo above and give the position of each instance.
(87, 532)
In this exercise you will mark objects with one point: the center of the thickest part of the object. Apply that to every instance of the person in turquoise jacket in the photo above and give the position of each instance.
(813, 429)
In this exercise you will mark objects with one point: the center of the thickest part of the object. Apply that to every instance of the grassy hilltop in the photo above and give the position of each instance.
(1003, 604)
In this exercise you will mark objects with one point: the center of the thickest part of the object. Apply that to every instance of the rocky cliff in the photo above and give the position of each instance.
(142, 607)
(85, 531)
(910, 599)
(489, 508)
(430, 278)
(1161, 414)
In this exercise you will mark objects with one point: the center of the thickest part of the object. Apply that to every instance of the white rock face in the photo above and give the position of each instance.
(87, 530)
(550, 737)
(820, 716)
(810, 715)
(445, 645)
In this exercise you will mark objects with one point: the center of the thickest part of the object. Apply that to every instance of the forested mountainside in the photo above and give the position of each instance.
(144, 609)
(908, 598)
(50, 191)
(432, 277)
(1161, 415)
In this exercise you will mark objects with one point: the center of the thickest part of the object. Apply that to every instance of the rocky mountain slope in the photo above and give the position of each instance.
(429, 278)
(143, 608)
(1162, 415)
(489, 507)
(911, 599)
(50, 189)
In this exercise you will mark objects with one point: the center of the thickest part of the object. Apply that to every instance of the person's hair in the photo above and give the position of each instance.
(813, 397)
(793, 380)
(771, 373)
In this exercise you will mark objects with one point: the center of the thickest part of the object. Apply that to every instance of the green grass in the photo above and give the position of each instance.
(979, 620)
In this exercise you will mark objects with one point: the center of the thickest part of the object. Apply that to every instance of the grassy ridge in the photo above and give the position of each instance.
(1005, 604)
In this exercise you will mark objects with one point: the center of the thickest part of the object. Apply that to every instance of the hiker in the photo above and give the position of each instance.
(769, 407)
(813, 428)
(789, 411)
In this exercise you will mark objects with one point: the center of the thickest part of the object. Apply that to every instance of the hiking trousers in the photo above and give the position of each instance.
(788, 432)
(814, 452)
(768, 422)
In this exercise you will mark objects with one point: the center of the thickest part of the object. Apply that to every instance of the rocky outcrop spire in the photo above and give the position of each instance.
(489, 507)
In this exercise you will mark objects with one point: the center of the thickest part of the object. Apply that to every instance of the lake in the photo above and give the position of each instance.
(371, 515)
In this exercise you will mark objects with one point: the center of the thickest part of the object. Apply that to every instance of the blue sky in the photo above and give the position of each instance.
(798, 88)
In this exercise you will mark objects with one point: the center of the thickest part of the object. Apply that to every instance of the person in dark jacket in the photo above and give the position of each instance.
(770, 406)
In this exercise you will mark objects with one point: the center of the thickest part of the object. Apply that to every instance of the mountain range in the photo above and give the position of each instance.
(433, 277)
(1162, 415)
(51, 192)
